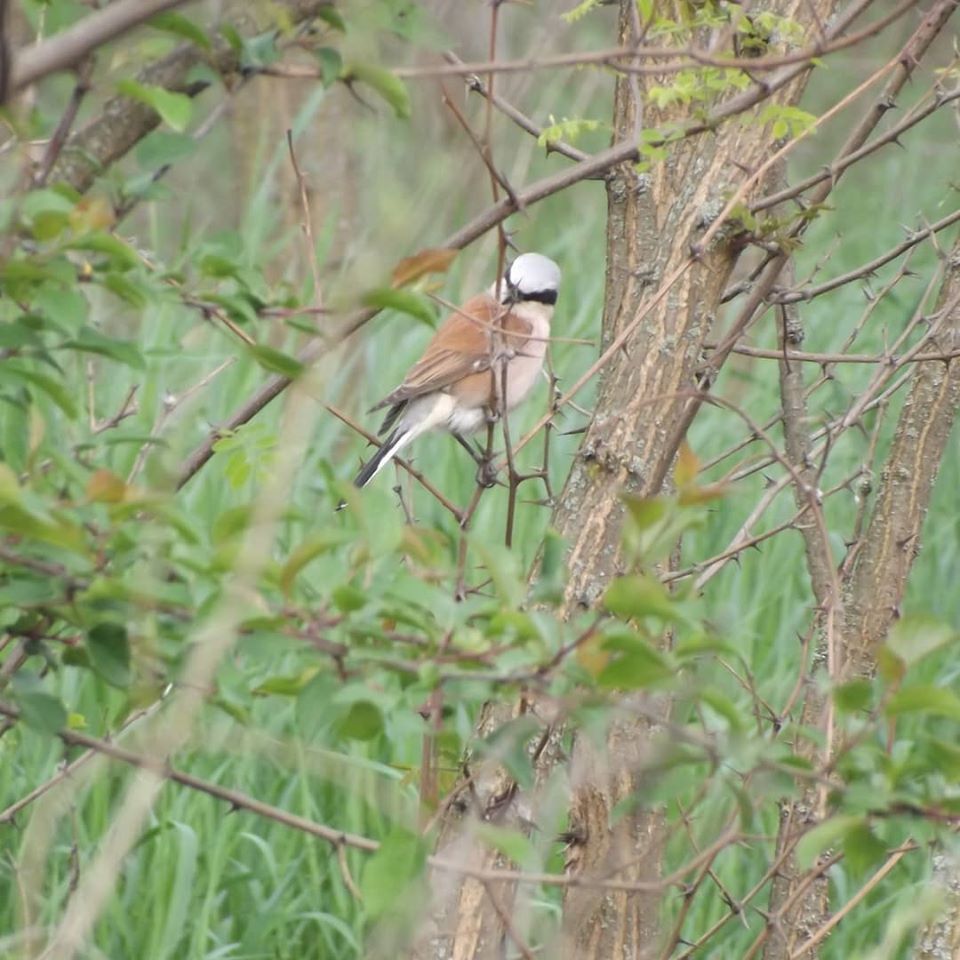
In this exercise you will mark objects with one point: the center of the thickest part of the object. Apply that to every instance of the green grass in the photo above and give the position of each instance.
(205, 882)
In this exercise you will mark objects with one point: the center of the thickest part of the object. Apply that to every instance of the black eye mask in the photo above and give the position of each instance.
(540, 296)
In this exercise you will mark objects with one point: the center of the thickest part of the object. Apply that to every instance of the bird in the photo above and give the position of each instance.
(488, 350)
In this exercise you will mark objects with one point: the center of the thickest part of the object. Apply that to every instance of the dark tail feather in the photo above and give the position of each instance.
(369, 469)
(391, 418)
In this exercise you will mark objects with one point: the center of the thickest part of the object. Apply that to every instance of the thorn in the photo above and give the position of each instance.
(348, 83)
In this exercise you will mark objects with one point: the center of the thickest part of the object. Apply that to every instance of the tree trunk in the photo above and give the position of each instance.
(892, 541)
(874, 581)
(639, 421)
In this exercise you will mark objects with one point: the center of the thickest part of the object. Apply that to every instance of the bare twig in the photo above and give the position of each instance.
(69, 47)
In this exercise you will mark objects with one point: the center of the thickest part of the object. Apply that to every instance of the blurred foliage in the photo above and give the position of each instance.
(134, 318)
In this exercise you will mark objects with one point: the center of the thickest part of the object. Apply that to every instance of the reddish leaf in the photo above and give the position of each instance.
(431, 260)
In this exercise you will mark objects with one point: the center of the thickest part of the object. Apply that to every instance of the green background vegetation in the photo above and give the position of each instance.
(207, 882)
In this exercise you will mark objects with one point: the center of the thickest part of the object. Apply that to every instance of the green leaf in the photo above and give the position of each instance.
(945, 756)
(229, 33)
(180, 25)
(52, 387)
(120, 285)
(332, 16)
(121, 254)
(46, 212)
(645, 511)
(312, 709)
(638, 595)
(502, 566)
(362, 721)
(511, 843)
(163, 147)
(89, 340)
(724, 706)
(175, 109)
(109, 650)
(18, 519)
(390, 873)
(925, 698)
(239, 308)
(290, 686)
(331, 64)
(310, 549)
(178, 909)
(862, 849)
(230, 524)
(508, 746)
(580, 10)
(404, 301)
(823, 836)
(64, 306)
(260, 50)
(347, 598)
(390, 87)
(854, 696)
(914, 637)
(40, 710)
(20, 334)
(637, 665)
(276, 361)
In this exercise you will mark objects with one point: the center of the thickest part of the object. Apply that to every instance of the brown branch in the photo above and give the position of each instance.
(832, 170)
(59, 138)
(685, 58)
(9, 814)
(802, 904)
(798, 356)
(496, 175)
(236, 799)
(891, 541)
(824, 580)
(901, 67)
(342, 838)
(123, 122)
(797, 447)
(475, 84)
(588, 169)
(825, 378)
(916, 237)
(306, 225)
(856, 899)
(70, 46)
(405, 464)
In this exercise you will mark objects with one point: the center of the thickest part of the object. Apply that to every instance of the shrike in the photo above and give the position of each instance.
(458, 383)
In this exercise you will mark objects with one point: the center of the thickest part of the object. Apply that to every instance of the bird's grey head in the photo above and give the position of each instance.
(531, 276)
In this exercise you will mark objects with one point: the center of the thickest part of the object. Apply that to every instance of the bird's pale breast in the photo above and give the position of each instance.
(529, 352)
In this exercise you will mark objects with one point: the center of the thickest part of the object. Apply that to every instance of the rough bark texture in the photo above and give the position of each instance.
(892, 539)
(798, 817)
(654, 219)
(941, 940)
(874, 584)
(873, 593)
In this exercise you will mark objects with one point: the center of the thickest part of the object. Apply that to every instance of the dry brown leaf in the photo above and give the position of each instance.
(431, 260)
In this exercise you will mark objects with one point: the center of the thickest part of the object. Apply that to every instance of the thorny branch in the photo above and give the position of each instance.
(802, 461)
(598, 164)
